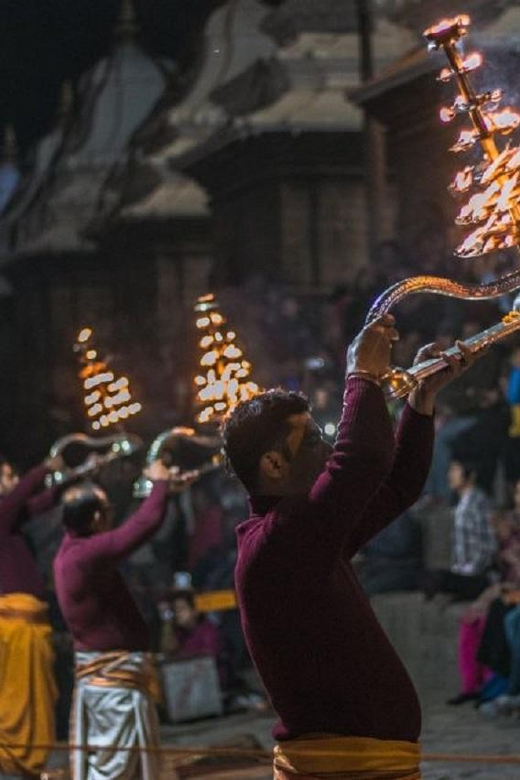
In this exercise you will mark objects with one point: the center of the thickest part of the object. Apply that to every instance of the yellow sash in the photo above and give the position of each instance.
(108, 671)
(27, 687)
(351, 756)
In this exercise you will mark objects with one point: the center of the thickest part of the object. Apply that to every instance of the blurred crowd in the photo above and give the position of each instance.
(299, 342)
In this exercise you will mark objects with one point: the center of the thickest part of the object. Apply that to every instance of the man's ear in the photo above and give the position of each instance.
(273, 465)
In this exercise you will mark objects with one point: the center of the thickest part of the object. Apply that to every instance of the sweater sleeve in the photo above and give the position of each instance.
(44, 501)
(404, 484)
(13, 506)
(361, 460)
(363, 452)
(123, 540)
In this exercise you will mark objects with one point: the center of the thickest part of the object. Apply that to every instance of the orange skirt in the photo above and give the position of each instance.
(27, 687)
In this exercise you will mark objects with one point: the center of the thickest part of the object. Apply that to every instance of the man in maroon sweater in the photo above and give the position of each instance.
(27, 687)
(345, 702)
(115, 681)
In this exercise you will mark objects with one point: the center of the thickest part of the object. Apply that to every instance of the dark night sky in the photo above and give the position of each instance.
(44, 42)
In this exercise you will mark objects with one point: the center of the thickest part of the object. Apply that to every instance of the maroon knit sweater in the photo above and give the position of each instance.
(18, 570)
(325, 661)
(94, 599)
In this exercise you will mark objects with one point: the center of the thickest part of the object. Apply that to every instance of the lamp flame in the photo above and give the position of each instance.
(493, 208)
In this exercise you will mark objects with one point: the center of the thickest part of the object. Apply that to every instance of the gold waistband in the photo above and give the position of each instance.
(108, 670)
(336, 755)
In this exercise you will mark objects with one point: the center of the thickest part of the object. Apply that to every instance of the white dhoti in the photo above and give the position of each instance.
(114, 717)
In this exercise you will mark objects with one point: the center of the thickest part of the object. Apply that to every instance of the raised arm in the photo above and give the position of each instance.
(13, 506)
(123, 540)
(404, 484)
(324, 517)
(362, 455)
(363, 452)
(413, 452)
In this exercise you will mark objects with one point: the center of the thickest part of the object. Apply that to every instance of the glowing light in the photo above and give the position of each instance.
(209, 359)
(494, 168)
(445, 75)
(504, 121)
(493, 208)
(232, 352)
(465, 141)
(119, 385)
(463, 180)
(472, 62)
(225, 383)
(503, 203)
(84, 335)
(107, 399)
(446, 115)
(329, 429)
(447, 30)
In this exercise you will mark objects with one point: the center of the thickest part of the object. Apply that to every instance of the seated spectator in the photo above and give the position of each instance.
(473, 652)
(188, 634)
(474, 543)
(392, 561)
(191, 634)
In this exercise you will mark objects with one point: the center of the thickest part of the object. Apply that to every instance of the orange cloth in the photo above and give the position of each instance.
(27, 687)
(346, 758)
(108, 671)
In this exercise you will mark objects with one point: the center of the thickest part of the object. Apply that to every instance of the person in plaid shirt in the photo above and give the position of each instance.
(474, 541)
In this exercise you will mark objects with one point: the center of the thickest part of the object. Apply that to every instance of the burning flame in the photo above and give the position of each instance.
(445, 75)
(463, 180)
(447, 24)
(507, 193)
(465, 141)
(495, 167)
(504, 121)
(493, 209)
(472, 62)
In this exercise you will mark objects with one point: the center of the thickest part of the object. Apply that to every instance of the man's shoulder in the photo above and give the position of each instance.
(274, 518)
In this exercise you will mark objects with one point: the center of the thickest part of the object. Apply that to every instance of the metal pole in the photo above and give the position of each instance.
(374, 138)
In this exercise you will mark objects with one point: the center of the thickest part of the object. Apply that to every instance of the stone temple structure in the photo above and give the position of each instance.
(156, 186)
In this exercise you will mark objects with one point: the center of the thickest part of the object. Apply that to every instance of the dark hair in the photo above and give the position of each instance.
(469, 467)
(79, 505)
(184, 595)
(255, 427)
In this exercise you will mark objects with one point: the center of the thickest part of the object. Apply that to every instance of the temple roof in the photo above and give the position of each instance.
(498, 38)
(59, 199)
(264, 70)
